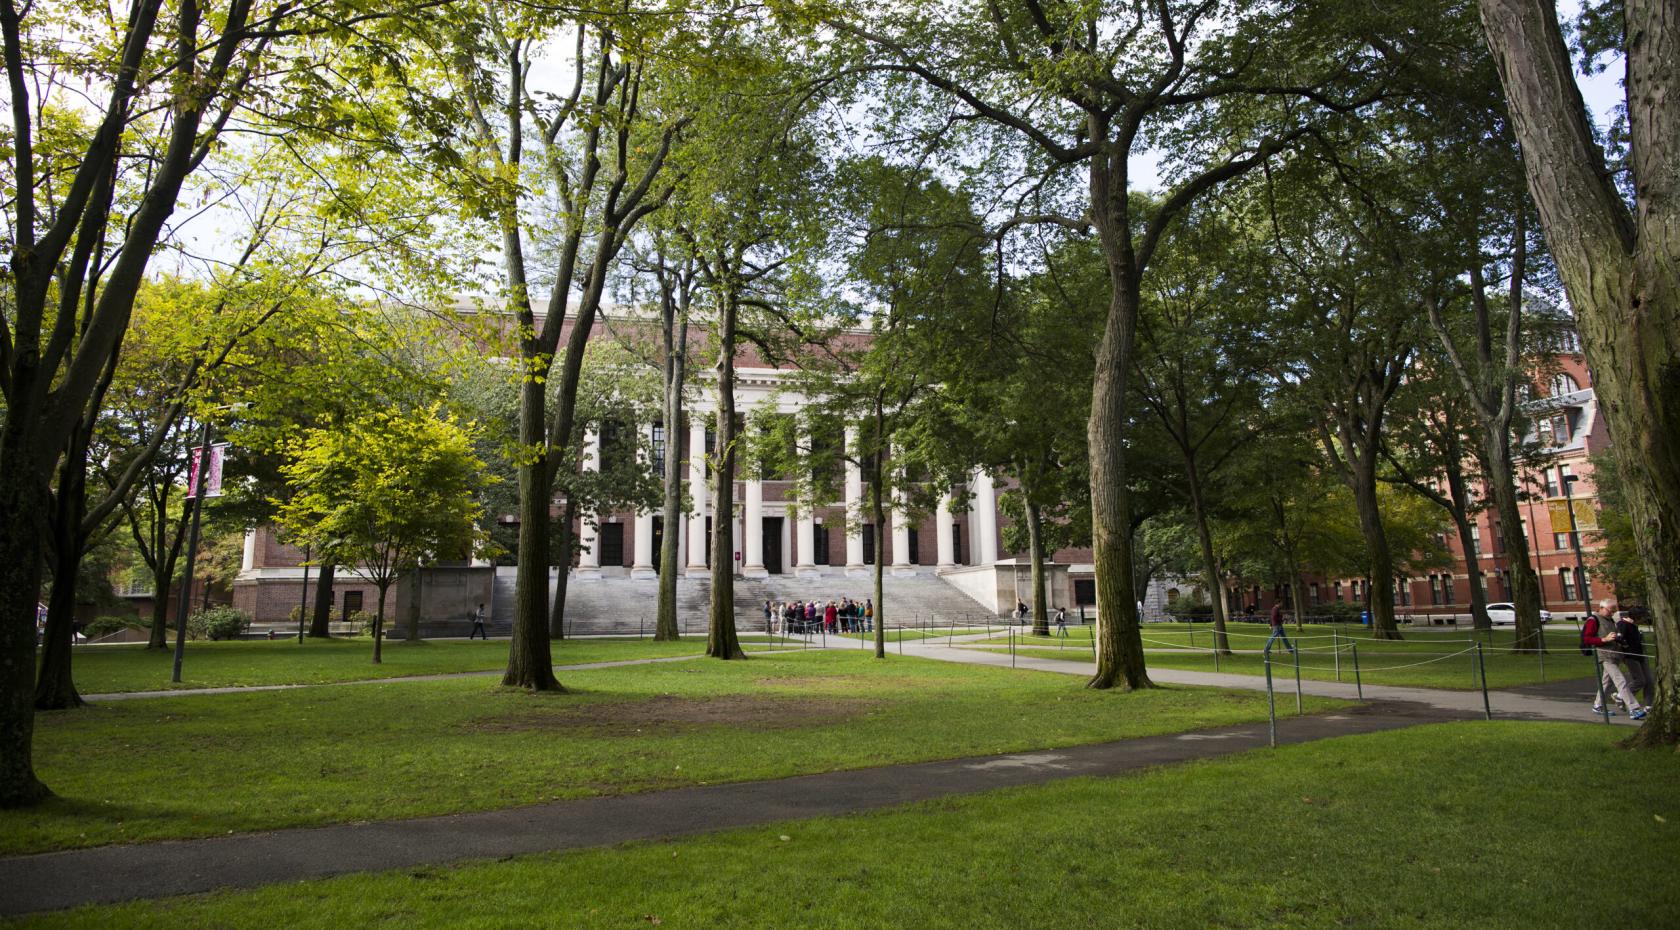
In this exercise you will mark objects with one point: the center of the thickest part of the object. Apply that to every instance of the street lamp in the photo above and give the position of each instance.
(205, 456)
(1575, 541)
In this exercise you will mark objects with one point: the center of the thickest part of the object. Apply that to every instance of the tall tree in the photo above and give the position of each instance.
(1223, 88)
(1201, 361)
(1619, 257)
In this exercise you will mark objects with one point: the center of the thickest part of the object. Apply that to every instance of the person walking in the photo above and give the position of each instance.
(478, 624)
(829, 614)
(1633, 654)
(1061, 621)
(1277, 629)
(1599, 633)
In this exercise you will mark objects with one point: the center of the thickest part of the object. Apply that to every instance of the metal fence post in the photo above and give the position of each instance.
(1336, 644)
(1011, 647)
(1271, 700)
(1296, 652)
(1487, 708)
(1357, 681)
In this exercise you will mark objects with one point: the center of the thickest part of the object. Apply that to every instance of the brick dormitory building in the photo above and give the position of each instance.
(944, 564)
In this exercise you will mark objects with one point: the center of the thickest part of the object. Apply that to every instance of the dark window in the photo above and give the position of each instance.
(658, 442)
(869, 544)
(957, 543)
(612, 544)
(1084, 591)
(1447, 589)
(1435, 590)
(819, 545)
(352, 603)
(1338, 587)
(915, 552)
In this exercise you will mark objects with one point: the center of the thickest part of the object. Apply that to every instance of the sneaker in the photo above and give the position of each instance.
(1601, 712)
(1637, 715)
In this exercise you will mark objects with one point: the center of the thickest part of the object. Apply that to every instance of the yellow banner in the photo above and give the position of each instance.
(1586, 518)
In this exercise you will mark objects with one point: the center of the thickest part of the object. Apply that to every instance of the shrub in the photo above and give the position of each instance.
(218, 623)
(298, 613)
(105, 626)
(363, 619)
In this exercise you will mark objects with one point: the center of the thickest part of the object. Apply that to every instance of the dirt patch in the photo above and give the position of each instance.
(673, 714)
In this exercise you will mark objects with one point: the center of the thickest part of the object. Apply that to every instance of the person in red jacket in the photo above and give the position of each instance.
(1599, 632)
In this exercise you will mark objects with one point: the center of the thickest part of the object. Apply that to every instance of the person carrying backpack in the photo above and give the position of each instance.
(1599, 633)
(1632, 644)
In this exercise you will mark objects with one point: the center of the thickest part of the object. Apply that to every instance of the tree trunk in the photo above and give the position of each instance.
(1210, 563)
(563, 572)
(721, 639)
(379, 625)
(1379, 586)
(20, 580)
(1458, 497)
(320, 624)
(1120, 660)
(665, 623)
(1621, 271)
(55, 688)
(1035, 546)
(530, 661)
(1525, 586)
(878, 504)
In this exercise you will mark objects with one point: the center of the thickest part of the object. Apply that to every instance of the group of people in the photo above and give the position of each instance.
(842, 616)
(1621, 656)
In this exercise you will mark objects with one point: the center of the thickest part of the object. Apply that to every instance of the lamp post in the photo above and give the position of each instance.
(199, 475)
(303, 600)
(1575, 542)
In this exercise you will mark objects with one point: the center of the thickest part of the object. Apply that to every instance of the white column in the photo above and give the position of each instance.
(681, 529)
(248, 559)
(985, 518)
(642, 565)
(805, 564)
(854, 510)
(900, 536)
(589, 545)
(697, 494)
(752, 531)
(947, 534)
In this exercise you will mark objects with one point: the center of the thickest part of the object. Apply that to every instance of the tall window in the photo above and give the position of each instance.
(1563, 541)
(1563, 384)
(1312, 591)
(1447, 589)
(1476, 538)
(1566, 578)
(1435, 590)
(658, 439)
(819, 545)
(869, 544)
(1338, 588)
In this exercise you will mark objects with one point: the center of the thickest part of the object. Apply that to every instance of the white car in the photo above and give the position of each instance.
(1505, 614)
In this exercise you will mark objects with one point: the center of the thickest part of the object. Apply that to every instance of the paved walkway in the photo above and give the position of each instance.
(1548, 702)
(110, 874)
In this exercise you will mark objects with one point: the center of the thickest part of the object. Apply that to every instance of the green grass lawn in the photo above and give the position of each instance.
(194, 766)
(1416, 661)
(102, 669)
(1477, 826)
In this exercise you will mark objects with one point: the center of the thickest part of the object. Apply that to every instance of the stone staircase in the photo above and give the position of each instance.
(623, 606)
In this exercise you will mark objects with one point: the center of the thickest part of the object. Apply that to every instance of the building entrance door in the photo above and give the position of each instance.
(773, 545)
